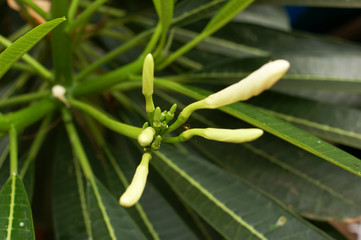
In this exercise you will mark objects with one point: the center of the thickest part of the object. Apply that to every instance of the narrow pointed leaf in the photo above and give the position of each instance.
(298, 179)
(10, 55)
(332, 122)
(15, 211)
(108, 219)
(231, 207)
(68, 207)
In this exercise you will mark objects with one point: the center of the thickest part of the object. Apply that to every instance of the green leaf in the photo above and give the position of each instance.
(330, 121)
(189, 11)
(11, 54)
(16, 219)
(300, 180)
(225, 14)
(315, 3)
(108, 219)
(234, 209)
(67, 203)
(278, 128)
(316, 62)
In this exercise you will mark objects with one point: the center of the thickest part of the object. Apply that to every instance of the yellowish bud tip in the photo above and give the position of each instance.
(148, 75)
(257, 82)
(146, 137)
(58, 92)
(135, 190)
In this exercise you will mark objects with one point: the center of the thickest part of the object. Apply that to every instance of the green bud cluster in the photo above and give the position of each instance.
(151, 136)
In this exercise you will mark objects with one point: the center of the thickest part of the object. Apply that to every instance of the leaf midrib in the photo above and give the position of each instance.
(12, 206)
(211, 197)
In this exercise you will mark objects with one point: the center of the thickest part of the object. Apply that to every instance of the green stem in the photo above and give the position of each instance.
(72, 10)
(22, 99)
(115, 12)
(153, 41)
(85, 15)
(111, 55)
(13, 150)
(104, 82)
(83, 199)
(27, 116)
(40, 69)
(36, 145)
(122, 128)
(60, 44)
(76, 144)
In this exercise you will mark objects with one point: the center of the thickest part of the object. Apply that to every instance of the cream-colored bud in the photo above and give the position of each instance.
(146, 137)
(257, 82)
(135, 190)
(225, 135)
(58, 92)
(148, 75)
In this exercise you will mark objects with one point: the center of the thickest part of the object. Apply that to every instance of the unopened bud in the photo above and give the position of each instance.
(257, 82)
(135, 190)
(156, 143)
(58, 92)
(146, 137)
(147, 82)
(224, 135)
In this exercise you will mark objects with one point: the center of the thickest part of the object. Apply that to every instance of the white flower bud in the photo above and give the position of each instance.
(257, 82)
(148, 75)
(146, 137)
(147, 82)
(224, 135)
(58, 92)
(135, 190)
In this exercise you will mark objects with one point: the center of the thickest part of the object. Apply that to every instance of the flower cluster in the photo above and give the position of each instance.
(156, 128)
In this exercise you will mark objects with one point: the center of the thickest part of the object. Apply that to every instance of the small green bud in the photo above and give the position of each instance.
(163, 116)
(173, 109)
(157, 114)
(156, 143)
(146, 137)
(145, 125)
(135, 190)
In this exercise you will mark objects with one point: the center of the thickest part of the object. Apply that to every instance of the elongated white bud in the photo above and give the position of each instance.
(147, 82)
(58, 92)
(257, 82)
(146, 137)
(135, 190)
(225, 135)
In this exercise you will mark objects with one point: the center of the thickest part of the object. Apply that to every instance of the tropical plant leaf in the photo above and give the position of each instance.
(278, 128)
(315, 3)
(68, 195)
(108, 219)
(232, 208)
(300, 180)
(16, 218)
(334, 123)
(11, 54)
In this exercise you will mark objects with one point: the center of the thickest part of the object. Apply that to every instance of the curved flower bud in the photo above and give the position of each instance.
(58, 92)
(147, 82)
(254, 84)
(135, 190)
(257, 82)
(146, 137)
(224, 135)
